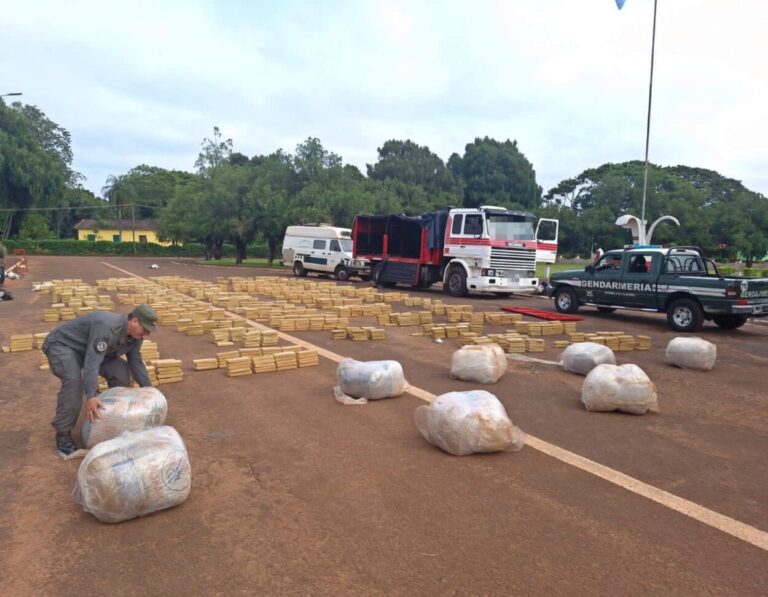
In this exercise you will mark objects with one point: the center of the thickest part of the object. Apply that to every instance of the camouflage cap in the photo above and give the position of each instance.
(146, 316)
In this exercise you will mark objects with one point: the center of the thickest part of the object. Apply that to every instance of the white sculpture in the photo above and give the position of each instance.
(637, 227)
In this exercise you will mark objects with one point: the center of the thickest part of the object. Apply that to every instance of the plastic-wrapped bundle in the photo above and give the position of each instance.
(360, 381)
(126, 409)
(133, 475)
(691, 353)
(464, 423)
(484, 363)
(619, 387)
(582, 357)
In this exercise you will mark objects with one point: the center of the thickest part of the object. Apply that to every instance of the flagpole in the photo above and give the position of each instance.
(648, 122)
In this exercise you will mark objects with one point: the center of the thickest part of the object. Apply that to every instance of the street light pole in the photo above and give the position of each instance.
(648, 123)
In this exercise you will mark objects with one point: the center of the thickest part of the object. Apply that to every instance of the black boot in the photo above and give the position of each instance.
(64, 443)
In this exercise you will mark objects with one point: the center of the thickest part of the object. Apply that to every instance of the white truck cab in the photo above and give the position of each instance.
(323, 249)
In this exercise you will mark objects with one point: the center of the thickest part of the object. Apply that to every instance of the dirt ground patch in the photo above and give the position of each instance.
(293, 493)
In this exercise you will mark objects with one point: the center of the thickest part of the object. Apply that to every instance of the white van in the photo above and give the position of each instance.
(323, 249)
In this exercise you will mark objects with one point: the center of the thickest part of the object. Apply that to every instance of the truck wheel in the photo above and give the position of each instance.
(456, 285)
(378, 274)
(685, 315)
(730, 322)
(298, 269)
(342, 273)
(566, 300)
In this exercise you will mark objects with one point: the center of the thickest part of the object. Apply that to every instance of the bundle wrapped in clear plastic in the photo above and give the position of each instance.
(691, 353)
(126, 409)
(582, 357)
(360, 381)
(483, 363)
(133, 475)
(619, 387)
(464, 423)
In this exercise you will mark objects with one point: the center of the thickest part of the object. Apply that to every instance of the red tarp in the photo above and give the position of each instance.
(542, 314)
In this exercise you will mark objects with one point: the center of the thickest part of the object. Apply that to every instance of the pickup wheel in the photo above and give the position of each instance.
(566, 300)
(298, 269)
(730, 322)
(456, 284)
(341, 273)
(685, 315)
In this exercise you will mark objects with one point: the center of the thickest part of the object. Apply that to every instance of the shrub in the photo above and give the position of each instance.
(101, 247)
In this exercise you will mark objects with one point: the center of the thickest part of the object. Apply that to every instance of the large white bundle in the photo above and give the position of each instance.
(368, 380)
(582, 357)
(133, 475)
(484, 363)
(619, 387)
(691, 353)
(464, 423)
(126, 409)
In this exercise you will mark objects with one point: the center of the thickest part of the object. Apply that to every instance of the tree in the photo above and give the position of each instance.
(214, 153)
(414, 164)
(312, 162)
(741, 226)
(34, 227)
(33, 160)
(496, 173)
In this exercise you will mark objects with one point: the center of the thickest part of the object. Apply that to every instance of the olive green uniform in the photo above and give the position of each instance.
(83, 348)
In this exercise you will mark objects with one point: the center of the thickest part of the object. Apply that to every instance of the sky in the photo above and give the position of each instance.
(145, 82)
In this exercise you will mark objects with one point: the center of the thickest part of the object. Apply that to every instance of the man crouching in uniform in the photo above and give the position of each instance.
(83, 348)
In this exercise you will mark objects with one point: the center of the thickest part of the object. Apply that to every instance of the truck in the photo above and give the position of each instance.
(323, 249)
(679, 281)
(486, 249)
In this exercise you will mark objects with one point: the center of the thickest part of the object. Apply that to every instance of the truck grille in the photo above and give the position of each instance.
(513, 258)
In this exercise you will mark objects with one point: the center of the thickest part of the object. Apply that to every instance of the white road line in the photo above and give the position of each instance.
(709, 517)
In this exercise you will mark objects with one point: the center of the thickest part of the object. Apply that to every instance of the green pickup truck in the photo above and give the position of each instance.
(679, 281)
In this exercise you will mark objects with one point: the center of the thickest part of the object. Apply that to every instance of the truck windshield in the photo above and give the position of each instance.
(346, 244)
(510, 227)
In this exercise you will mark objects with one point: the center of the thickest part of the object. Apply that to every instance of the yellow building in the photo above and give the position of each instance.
(139, 231)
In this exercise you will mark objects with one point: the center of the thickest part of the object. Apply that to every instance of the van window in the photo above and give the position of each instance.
(335, 246)
(458, 220)
(319, 244)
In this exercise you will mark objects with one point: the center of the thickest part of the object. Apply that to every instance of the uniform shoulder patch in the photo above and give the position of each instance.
(101, 345)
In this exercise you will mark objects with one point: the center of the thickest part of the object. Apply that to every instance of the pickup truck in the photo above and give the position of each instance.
(680, 281)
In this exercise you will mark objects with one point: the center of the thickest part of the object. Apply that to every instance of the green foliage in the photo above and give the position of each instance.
(496, 173)
(84, 248)
(35, 227)
(727, 270)
(415, 165)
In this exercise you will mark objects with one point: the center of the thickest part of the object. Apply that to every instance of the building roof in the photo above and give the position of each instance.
(88, 224)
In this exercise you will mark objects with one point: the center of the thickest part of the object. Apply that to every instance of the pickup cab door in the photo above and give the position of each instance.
(600, 284)
(639, 279)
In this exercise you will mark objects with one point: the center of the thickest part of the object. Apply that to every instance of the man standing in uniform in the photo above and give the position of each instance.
(83, 348)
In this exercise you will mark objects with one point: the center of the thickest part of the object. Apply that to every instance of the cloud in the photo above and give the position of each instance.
(145, 82)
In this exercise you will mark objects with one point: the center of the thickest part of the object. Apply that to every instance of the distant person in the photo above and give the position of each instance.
(2, 260)
(639, 265)
(613, 262)
(83, 348)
